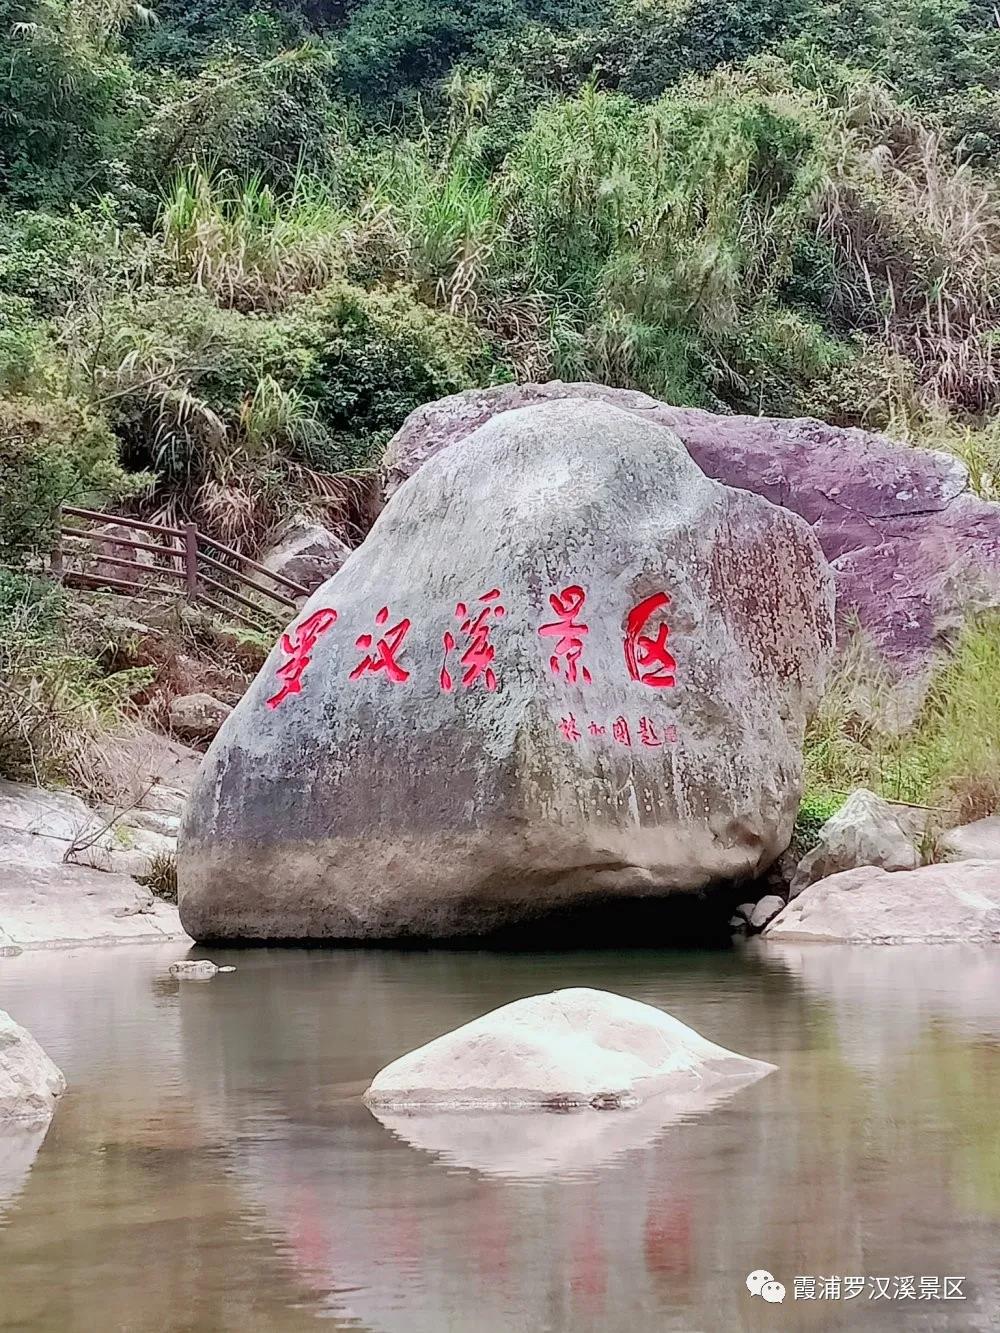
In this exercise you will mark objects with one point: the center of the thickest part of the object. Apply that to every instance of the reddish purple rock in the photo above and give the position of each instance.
(914, 551)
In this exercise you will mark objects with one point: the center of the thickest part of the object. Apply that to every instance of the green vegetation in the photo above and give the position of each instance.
(237, 247)
(238, 244)
(58, 702)
(947, 757)
(162, 878)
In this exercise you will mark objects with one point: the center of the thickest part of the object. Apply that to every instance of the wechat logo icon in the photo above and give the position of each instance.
(761, 1283)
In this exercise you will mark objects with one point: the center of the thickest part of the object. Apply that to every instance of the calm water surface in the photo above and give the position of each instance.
(212, 1166)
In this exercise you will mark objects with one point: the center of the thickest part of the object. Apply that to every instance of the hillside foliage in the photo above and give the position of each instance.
(238, 243)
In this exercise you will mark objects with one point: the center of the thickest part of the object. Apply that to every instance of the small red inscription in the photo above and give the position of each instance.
(647, 733)
(477, 659)
(386, 650)
(569, 729)
(621, 732)
(569, 633)
(648, 659)
(298, 645)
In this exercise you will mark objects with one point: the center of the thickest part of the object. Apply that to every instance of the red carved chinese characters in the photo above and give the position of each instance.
(647, 733)
(478, 656)
(648, 658)
(386, 650)
(569, 729)
(621, 731)
(569, 633)
(297, 647)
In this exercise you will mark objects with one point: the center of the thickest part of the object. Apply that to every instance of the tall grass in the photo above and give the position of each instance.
(248, 245)
(654, 246)
(947, 756)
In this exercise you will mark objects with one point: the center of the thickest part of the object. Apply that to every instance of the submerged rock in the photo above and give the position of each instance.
(29, 1081)
(865, 831)
(914, 550)
(572, 1048)
(200, 969)
(872, 906)
(564, 667)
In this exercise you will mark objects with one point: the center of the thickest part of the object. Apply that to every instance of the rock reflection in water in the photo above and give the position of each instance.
(19, 1147)
(534, 1144)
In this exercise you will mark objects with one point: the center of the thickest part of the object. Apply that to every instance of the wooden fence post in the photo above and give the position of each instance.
(191, 561)
(56, 558)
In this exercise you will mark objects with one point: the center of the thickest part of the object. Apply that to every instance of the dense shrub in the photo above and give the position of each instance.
(50, 454)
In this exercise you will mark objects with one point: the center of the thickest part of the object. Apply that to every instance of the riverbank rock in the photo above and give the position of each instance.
(765, 910)
(871, 906)
(196, 717)
(915, 552)
(564, 666)
(46, 899)
(29, 1081)
(572, 1048)
(865, 831)
(124, 849)
(979, 841)
(306, 552)
(169, 801)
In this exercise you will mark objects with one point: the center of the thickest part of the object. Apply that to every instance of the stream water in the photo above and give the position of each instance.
(212, 1167)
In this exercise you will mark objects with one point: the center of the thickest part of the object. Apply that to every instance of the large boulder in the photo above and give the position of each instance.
(306, 552)
(865, 831)
(914, 550)
(29, 1081)
(565, 665)
(572, 1048)
(873, 906)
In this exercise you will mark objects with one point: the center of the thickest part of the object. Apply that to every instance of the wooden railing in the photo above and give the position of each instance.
(177, 559)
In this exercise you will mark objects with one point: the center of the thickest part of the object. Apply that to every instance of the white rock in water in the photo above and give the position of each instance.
(197, 970)
(576, 1047)
(29, 1081)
